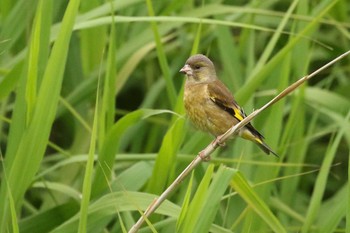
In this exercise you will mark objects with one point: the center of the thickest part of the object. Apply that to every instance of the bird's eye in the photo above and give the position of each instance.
(197, 67)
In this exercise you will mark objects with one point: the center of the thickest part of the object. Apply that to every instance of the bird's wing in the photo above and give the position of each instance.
(222, 97)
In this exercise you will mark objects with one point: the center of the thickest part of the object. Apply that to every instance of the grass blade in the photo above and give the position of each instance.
(32, 145)
(86, 192)
(240, 184)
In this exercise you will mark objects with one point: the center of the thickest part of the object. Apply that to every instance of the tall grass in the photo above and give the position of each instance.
(52, 54)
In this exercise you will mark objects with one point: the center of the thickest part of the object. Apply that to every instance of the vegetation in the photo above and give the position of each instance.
(92, 125)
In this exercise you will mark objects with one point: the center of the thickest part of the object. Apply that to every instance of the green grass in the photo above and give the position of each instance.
(70, 162)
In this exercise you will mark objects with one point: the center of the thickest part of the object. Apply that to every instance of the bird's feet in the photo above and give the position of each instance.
(218, 141)
(203, 156)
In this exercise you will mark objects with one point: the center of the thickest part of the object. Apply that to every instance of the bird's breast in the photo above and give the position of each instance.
(203, 112)
(200, 108)
(195, 101)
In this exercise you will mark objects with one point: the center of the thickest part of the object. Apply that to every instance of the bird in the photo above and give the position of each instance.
(209, 104)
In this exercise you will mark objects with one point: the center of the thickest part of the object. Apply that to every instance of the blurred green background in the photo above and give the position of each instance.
(92, 125)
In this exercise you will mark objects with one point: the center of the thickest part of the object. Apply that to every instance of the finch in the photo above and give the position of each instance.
(210, 105)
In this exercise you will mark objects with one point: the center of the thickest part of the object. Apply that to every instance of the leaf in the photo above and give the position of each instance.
(240, 184)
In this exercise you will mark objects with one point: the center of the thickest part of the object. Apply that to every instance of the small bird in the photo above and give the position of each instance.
(210, 105)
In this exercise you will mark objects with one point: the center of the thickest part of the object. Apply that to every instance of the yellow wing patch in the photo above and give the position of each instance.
(238, 114)
(234, 111)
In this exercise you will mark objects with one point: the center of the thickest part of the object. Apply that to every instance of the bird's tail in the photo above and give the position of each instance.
(265, 147)
(253, 135)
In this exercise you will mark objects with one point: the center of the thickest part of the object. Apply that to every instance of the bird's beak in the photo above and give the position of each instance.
(186, 70)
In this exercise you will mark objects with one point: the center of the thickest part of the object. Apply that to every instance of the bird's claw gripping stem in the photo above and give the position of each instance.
(203, 156)
(218, 141)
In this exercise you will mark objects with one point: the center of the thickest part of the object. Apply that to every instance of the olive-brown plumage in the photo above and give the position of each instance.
(210, 105)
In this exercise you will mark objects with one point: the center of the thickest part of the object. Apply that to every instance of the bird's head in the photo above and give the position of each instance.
(199, 68)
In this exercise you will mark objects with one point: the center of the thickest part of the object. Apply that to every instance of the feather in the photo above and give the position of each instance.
(222, 97)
